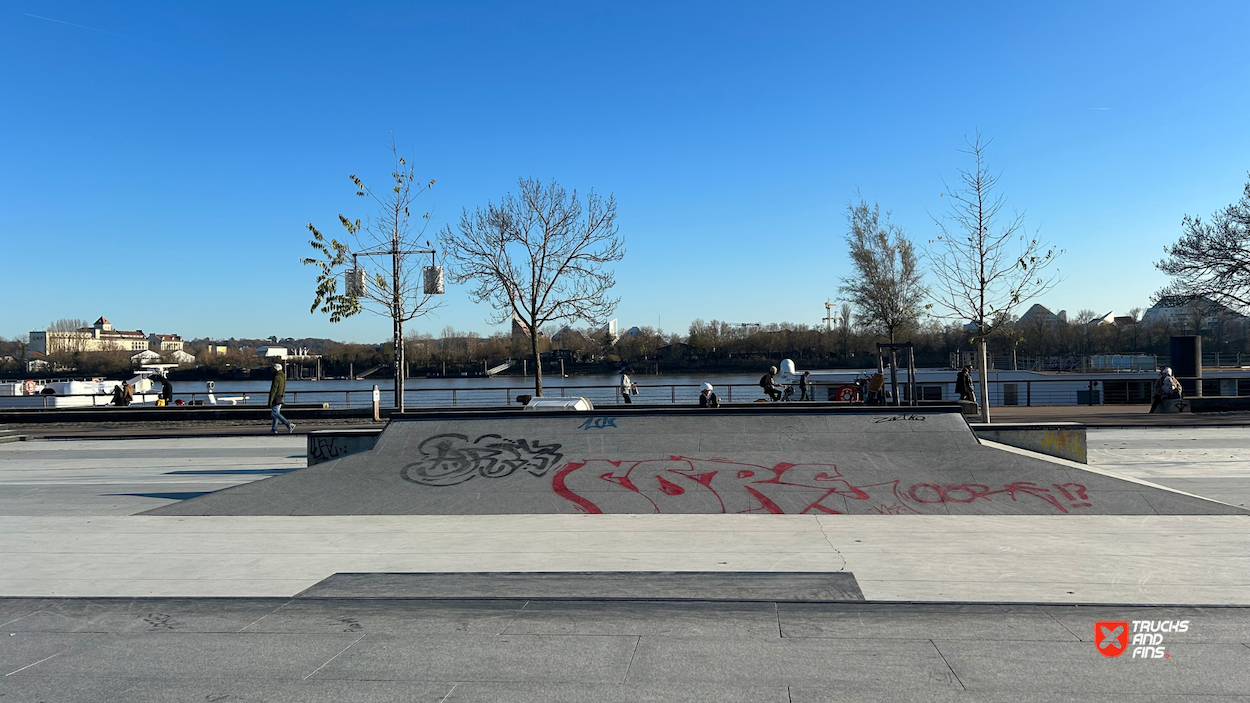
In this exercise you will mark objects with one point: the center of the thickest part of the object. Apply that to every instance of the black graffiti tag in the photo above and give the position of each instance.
(898, 418)
(449, 459)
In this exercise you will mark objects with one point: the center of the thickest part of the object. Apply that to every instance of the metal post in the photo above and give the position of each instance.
(453, 397)
(911, 376)
(673, 394)
(1028, 394)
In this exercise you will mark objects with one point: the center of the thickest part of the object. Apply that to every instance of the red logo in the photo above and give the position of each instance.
(1111, 636)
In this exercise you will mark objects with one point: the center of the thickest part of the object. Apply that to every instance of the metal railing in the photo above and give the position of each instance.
(1002, 393)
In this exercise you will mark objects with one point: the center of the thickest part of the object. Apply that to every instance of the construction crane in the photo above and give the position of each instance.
(829, 306)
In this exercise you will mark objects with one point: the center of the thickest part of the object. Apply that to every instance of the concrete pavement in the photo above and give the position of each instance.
(70, 530)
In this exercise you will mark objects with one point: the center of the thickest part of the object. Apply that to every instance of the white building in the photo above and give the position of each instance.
(1185, 314)
(101, 336)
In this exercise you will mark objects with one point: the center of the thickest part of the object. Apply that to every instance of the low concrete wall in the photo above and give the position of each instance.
(199, 413)
(1066, 440)
(1218, 404)
(328, 445)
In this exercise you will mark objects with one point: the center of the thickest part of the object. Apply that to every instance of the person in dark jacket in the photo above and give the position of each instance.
(963, 385)
(167, 390)
(804, 385)
(770, 386)
(708, 399)
(277, 389)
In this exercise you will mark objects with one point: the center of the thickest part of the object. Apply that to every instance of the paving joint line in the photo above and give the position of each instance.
(948, 665)
(336, 656)
(72, 646)
(1059, 622)
(453, 690)
(514, 617)
(637, 641)
(280, 607)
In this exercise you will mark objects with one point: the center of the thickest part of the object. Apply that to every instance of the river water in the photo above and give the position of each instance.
(441, 392)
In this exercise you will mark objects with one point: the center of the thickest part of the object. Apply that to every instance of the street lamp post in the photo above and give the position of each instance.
(432, 286)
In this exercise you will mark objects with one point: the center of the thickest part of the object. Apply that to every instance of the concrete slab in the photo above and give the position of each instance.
(469, 657)
(1013, 558)
(871, 461)
(612, 585)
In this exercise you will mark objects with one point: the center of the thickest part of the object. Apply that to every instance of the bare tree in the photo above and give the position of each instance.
(885, 286)
(985, 262)
(539, 257)
(389, 245)
(1212, 259)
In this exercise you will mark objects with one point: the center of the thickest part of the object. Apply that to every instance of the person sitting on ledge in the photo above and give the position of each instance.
(708, 399)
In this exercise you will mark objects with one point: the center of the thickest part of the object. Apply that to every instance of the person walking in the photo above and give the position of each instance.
(628, 387)
(963, 384)
(708, 399)
(770, 386)
(277, 389)
(804, 384)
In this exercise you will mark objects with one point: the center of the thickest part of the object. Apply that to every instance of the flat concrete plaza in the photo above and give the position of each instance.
(100, 603)
(334, 650)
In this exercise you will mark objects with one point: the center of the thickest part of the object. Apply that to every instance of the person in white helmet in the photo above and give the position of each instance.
(1165, 387)
(771, 387)
(708, 399)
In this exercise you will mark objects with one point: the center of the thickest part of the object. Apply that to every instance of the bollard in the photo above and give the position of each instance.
(377, 398)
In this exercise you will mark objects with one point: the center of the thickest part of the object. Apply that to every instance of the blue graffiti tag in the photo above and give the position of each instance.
(597, 423)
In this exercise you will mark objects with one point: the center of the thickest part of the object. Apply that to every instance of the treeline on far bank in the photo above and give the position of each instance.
(707, 347)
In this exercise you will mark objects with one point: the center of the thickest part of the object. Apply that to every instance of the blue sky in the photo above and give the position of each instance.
(160, 160)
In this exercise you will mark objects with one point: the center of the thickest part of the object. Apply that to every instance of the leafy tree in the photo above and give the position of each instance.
(539, 257)
(386, 247)
(886, 286)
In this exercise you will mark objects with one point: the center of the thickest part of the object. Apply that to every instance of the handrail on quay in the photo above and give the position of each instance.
(1002, 393)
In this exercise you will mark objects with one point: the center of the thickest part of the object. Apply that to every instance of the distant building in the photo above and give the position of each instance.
(164, 342)
(273, 352)
(520, 330)
(147, 356)
(216, 350)
(1108, 319)
(100, 337)
(1186, 314)
(1039, 314)
(612, 330)
(568, 336)
(180, 357)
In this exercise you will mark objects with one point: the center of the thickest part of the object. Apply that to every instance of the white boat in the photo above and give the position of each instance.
(1017, 387)
(80, 393)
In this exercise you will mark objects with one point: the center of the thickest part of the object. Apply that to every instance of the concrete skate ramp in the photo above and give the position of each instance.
(774, 459)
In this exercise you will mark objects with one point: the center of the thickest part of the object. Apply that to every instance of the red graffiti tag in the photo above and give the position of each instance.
(686, 484)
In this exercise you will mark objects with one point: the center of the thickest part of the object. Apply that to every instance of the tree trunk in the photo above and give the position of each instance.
(538, 365)
(399, 365)
(894, 370)
(985, 383)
